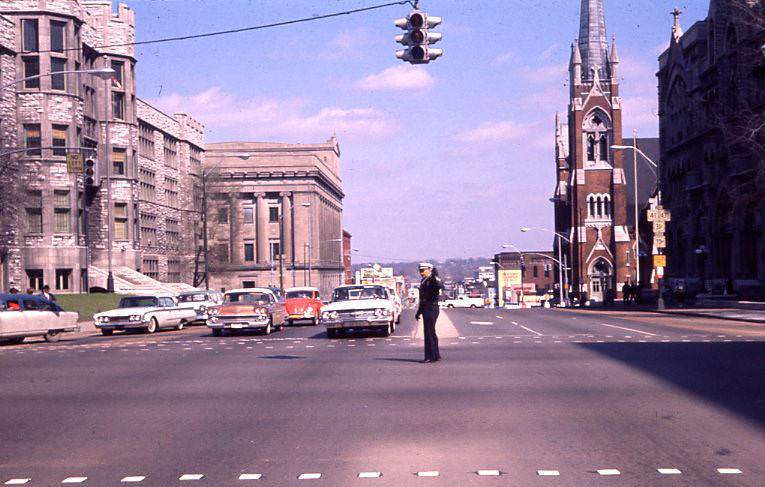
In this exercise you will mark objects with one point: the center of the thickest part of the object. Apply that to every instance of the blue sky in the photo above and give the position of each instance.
(443, 160)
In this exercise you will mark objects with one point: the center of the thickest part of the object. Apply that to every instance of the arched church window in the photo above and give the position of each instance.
(591, 147)
(607, 206)
(591, 209)
(604, 147)
(599, 204)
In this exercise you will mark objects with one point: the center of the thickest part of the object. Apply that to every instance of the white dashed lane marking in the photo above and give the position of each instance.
(489, 473)
(250, 476)
(609, 471)
(431, 473)
(629, 329)
(191, 476)
(370, 475)
(484, 323)
(17, 481)
(74, 480)
(729, 471)
(309, 476)
(548, 473)
(136, 478)
(669, 471)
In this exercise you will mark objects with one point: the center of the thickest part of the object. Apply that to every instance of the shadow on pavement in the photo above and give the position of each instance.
(282, 357)
(410, 360)
(729, 374)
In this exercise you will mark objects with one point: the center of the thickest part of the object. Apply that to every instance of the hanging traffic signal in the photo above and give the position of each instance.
(90, 168)
(418, 38)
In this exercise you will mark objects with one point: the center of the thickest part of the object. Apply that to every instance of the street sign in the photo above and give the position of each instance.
(659, 214)
(659, 226)
(660, 272)
(660, 261)
(660, 241)
(74, 163)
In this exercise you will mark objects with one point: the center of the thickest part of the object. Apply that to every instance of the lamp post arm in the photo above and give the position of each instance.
(540, 229)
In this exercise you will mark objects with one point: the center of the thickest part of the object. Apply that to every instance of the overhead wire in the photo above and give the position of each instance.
(238, 30)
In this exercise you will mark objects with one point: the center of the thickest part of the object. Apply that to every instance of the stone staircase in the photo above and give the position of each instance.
(130, 281)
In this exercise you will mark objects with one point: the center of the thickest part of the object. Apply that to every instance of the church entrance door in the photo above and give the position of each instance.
(601, 277)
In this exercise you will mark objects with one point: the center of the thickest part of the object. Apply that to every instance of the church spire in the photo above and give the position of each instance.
(593, 44)
(677, 29)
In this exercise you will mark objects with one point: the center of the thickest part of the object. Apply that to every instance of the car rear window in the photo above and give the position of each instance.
(247, 298)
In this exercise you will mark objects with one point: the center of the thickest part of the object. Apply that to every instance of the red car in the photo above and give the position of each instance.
(302, 304)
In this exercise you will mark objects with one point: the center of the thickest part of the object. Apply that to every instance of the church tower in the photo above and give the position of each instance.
(591, 190)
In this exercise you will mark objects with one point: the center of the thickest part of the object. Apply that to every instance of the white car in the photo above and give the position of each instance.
(204, 303)
(147, 313)
(359, 307)
(22, 315)
(462, 302)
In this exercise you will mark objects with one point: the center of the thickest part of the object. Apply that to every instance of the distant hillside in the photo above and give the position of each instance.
(449, 270)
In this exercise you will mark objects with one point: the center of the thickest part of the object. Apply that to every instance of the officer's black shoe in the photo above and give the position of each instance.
(426, 361)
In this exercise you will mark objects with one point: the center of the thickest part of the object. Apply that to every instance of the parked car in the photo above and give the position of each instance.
(146, 313)
(303, 304)
(204, 303)
(24, 315)
(462, 302)
(249, 309)
(359, 307)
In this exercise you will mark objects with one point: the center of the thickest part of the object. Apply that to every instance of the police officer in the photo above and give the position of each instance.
(430, 289)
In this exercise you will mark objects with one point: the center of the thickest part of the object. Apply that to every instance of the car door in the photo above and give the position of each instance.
(165, 313)
(36, 315)
(12, 318)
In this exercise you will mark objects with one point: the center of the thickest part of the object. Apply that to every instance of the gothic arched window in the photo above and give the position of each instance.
(597, 129)
(599, 204)
(607, 206)
(591, 209)
(591, 147)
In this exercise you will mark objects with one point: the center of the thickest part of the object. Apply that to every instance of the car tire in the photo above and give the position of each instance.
(153, 326)
(107, 333)
(180, 326)
(398, 319)
(217, 332)
(388, 330)
(268, 329)
(52, 336)
(290, 323)
(315, 322)
(473, 306)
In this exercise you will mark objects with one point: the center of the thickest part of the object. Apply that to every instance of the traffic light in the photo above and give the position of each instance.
(418, 38)
(90, 169)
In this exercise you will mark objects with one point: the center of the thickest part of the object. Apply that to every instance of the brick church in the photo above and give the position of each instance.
(591, 195)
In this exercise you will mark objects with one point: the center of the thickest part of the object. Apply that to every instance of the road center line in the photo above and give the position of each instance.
(482, 323)
(529, 329)
(629, 329)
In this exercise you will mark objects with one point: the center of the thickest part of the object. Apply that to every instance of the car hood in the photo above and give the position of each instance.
(126, 311)
(357, 304)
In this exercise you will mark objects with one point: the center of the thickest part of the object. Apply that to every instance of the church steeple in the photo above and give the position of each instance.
(593, 44)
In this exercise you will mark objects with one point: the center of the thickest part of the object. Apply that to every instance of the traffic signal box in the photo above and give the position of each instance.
(418, 38)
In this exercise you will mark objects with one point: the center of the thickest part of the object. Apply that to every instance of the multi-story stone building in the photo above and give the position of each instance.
(590, 193)
(711, 102)
(10, 252)
(149, 160)
(275, 214)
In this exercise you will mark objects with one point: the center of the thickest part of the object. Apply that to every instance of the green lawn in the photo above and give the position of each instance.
(88, 304)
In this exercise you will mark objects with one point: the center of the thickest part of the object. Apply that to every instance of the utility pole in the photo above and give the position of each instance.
(204, 230)
(107, 159)
(637, 212)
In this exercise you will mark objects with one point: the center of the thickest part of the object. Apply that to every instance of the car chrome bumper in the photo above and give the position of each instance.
(122, 325)
(238, 325)
(357, 322)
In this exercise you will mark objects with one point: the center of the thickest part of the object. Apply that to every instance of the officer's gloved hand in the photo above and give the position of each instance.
(417, 316)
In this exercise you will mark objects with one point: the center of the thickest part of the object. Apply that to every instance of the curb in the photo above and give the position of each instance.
(680, 313)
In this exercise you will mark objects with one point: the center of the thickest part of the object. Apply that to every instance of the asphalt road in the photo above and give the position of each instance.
(542, 397)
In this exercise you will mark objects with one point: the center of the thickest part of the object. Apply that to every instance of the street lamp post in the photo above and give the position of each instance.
(560, 256)
(636, 150)
(107, 154)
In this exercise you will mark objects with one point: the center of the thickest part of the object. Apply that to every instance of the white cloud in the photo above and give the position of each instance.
(397, 78)
(551, 73)
(346, 45)
(548, 53)
(227, 115)
(501, 131)
(503, 58)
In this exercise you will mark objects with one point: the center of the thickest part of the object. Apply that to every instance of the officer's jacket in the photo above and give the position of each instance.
(430, 289)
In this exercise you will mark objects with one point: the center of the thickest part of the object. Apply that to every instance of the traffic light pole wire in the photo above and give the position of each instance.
(413, 3)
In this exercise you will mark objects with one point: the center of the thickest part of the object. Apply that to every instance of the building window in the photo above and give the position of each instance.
(547, 270)
(273, 214)
(32, 139)
(148, 230)
(34, 212)
(59, 140)
(63, 279)
(118, 105)
(222, 215)
(275, 251)
(196, 157)
(29, 30)
(31, 68)
(119, 161)
(57, 81)
(220, 253)
(150, 267)
(248, 284)
(248, 215)
(172, 232)
(62, 211)
(249, 252)
(146, 140)
(118, 67)
(35, 277)
(120, 221)
(147, 182)
(171, 192)
(173, 270)
(536, 271)
(170, 149)
(57, 30)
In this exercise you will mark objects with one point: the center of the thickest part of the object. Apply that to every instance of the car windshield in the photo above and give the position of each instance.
(247, 298)
(191, 298)
(138, 302)
(354, 293)
(300, 294)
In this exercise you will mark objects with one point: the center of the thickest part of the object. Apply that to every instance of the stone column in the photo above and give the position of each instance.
(261, 231)
(287, 228)
(235, 238)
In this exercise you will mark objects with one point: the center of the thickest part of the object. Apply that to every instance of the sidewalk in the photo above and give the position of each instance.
(734, 314)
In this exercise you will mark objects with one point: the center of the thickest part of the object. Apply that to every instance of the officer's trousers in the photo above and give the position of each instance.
(429, 317)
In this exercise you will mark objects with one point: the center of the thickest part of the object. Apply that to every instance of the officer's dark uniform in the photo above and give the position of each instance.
(430, 289)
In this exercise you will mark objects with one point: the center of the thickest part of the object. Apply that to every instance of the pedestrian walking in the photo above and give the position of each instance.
(627, 292)
(47, 294)
(430, 289)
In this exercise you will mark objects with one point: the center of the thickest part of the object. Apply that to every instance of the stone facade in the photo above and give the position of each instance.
(10, 251)
(711, 86)
(63, 227)
(590, 195)
(347, 257)
(268, 200)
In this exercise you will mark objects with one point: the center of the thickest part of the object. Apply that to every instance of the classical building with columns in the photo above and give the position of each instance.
(275, 214)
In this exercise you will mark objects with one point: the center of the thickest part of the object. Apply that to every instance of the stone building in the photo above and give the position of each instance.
(347, 258)
(62, 233)
(590, 195)
(10, 251)
(711, 98)
(275, 214)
